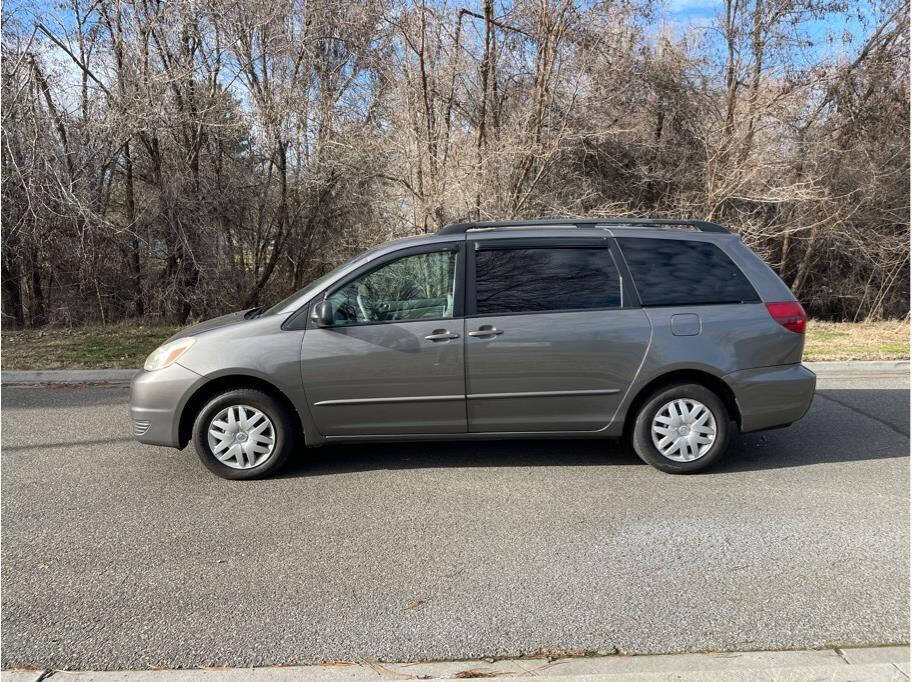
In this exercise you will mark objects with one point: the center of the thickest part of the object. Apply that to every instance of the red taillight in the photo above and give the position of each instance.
(789, 314)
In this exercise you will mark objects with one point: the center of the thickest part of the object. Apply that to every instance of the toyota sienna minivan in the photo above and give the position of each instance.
(667, 333)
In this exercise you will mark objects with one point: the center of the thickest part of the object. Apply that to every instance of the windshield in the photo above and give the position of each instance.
(313, 286)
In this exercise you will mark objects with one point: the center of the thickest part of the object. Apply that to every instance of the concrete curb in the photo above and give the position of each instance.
(67, 376)
(833, 665)
(120, 376)
(858, 368)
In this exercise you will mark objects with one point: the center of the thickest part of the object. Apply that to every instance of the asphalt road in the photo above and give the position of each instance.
(119, 555)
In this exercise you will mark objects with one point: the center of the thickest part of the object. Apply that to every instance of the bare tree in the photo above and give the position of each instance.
(166, 160)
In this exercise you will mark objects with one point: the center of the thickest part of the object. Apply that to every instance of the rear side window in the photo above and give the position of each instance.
(679, 272)
(542, 279)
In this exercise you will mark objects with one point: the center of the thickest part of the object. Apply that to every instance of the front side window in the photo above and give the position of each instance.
(545, 279)
(416, 287)
(674, 272)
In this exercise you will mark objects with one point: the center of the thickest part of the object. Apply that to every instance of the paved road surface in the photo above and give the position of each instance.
(119, 555)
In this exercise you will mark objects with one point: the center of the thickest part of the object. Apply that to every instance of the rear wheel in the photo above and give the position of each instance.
(682, 429)
(244, 433)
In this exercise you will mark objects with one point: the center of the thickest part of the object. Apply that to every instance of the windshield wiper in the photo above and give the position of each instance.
(255, 312)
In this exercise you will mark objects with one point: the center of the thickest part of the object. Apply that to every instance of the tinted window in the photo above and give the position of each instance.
(528, 280)
(679, 272)
(414, 287)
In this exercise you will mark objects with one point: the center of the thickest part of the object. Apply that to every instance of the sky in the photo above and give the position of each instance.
(693, 18)
(698, 15)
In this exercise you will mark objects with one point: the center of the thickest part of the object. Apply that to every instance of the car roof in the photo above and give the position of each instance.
(557, 228)
(653, 223)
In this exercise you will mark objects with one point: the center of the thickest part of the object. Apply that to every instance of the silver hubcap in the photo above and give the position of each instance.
(241, 437)
(683, 430)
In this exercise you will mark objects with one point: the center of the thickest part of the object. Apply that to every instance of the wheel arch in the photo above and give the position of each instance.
(226, 383)
(679, 376)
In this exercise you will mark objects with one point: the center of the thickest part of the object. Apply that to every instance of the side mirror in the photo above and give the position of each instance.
(322, 314)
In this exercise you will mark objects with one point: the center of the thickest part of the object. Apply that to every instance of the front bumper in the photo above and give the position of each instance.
(772, 396)
(156, 402)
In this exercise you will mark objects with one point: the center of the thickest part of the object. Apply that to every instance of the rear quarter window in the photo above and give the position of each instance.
(670, 272)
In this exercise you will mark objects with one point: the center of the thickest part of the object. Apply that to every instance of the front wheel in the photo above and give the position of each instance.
(243, 433)
(682, 429)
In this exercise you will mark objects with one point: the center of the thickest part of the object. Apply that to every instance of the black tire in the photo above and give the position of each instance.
(285, 432)
(641, 435)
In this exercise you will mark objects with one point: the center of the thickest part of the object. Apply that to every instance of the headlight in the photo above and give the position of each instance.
(168, 353)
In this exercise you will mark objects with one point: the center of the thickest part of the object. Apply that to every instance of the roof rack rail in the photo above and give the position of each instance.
(659, 223)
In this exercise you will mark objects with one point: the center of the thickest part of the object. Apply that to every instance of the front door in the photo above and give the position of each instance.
(549, 345)
(392, 363)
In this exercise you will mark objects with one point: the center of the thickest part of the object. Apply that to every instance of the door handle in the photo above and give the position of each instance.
(441, 335)
(486, 330)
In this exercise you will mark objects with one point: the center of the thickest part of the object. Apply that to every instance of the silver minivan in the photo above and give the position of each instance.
(667, 333)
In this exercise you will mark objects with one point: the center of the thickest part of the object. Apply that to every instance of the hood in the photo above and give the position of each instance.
(214, 323)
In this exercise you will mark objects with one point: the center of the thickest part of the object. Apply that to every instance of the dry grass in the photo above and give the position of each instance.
(127, 345)
(91, 347)
(887, 340)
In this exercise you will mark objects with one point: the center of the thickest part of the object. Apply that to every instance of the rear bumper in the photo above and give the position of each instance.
(772, 396)
(156, 402)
